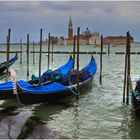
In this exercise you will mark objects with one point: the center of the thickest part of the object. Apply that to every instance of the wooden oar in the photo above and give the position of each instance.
(14, 80)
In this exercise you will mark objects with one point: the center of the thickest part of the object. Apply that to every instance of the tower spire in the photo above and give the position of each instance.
(70, 22)
(70, 29)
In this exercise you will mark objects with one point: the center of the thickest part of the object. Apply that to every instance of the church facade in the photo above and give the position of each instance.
(86, 37)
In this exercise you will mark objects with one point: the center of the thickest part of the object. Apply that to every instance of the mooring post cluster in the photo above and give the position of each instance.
(76, 40)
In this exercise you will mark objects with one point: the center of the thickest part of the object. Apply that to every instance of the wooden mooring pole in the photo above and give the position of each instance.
(125, 77)
(78, 74)
(40, 54)
(74, 43)
(8, 51)
(101, 57)
(128, 75)
(52, 42)
(127, 83)
(108, 49)
(48, 50)
(20, 51)
(33, 52)
(27, 55)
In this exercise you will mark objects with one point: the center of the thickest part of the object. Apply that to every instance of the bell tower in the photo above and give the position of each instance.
(70, 29)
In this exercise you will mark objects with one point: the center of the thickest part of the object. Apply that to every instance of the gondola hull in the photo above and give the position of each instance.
(3, 66)
(136, 103)
(6, 95)
(6, 90)
(26, 98)
(3, 69)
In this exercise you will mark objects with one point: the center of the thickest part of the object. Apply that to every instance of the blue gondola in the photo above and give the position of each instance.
(29, 94)
(136, 98)
(6, 89)
(3, 66)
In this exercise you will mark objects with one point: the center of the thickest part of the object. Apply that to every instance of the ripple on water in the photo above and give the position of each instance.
(100, 113)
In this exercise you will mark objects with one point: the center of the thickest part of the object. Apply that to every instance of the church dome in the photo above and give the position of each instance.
(87, 32)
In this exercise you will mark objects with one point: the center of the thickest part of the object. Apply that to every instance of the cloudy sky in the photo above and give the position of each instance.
(105, 17)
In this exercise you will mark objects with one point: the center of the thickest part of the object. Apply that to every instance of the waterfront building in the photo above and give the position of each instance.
(86, 37)
(91, 38)
(116, 40)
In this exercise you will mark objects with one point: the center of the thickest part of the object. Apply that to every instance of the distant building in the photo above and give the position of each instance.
(90, 38)
(95, 40)
(70, 29)
(61, 41)
(69, 40)
(86, 38)
(116, 40)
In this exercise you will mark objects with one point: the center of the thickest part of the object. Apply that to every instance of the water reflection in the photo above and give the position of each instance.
(99, 113)
(76, 122)
(135, 127)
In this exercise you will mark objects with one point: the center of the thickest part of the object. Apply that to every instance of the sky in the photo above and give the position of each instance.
(106, 17)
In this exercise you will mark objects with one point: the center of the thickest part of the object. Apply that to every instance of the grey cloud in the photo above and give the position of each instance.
(107, 17)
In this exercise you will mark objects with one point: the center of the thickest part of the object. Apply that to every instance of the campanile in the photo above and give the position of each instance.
(70, 29)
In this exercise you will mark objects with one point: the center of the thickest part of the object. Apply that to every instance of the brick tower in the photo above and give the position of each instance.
(70, 29)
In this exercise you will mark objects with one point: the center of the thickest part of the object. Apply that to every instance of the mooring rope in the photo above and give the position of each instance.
(73, 91)
(16, 93)
(14, 82)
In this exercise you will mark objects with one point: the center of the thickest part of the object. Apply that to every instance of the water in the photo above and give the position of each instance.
(99, 112)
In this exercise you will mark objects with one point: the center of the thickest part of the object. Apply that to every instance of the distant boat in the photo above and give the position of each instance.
(3, 66)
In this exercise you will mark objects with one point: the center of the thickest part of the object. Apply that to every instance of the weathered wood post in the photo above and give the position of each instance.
(126, 87)
(125, 76)
(108, 49)
(40, 54)
(74, 43)
(128, 72)
(52, 42)
(8, 51)
(20, 51)
(101, 59)
(33, 52)
(27, 55)
(78, 74)
(48, 50)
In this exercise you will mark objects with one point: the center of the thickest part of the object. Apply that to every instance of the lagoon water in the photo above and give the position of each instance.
(99, 112)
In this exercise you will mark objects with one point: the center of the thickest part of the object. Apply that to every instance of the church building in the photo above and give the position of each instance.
(91, 38)
(86, 38)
